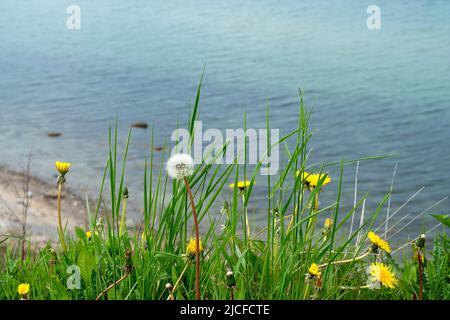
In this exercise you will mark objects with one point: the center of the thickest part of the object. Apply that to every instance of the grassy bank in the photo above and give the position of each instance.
(293, 257)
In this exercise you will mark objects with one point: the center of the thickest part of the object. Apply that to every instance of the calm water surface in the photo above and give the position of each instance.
(373, 92)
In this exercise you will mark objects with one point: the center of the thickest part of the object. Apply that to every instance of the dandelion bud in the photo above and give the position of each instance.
(225, 209)
(53, 256)
(230, 280)
(169, 287)
(128, 261)
(420, 244)
(125, 193)
(60, 179)
(52, 261)
(328, 224)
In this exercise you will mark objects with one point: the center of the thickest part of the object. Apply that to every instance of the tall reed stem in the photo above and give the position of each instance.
(197, 241)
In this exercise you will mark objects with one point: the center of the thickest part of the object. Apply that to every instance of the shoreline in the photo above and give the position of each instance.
(41, 223)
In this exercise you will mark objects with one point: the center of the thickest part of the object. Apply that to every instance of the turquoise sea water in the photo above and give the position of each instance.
(374, 92)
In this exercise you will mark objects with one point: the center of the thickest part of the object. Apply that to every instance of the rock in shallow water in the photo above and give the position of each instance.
(140, 125)
(54, 134)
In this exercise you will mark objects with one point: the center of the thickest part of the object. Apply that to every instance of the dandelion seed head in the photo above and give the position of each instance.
(230, 281)
(180, 165)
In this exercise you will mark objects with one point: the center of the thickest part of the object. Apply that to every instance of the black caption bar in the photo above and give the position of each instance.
(179, 310)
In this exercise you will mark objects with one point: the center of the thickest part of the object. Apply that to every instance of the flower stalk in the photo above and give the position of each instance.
(419, 258)
(175, 287)
(247, 225)
(128, 269)
(179, 167)
(346, 260)
(242, 186)
(197, 240)
(230, 283)
(420, 247)
(60, 227)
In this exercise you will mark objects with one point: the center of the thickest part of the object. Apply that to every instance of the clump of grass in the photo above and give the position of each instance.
(291, 257)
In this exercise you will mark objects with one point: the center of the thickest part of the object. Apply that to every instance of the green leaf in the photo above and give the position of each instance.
(87, 264)
(164, 255)
(58, 291)
(443, 218)
(80, 233)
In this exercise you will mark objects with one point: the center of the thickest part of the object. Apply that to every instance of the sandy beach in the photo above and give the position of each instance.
(42, 209)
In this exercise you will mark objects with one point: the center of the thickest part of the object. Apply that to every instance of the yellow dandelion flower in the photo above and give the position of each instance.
(328, 223)
(380, 273)
(62, 167)
(377, 242)
(314, 270)
(311, 180)
(191, 247)
(88, 235)
(23, 289)
(242, 185)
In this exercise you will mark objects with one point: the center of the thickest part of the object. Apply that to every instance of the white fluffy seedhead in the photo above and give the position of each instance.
(180, 165)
